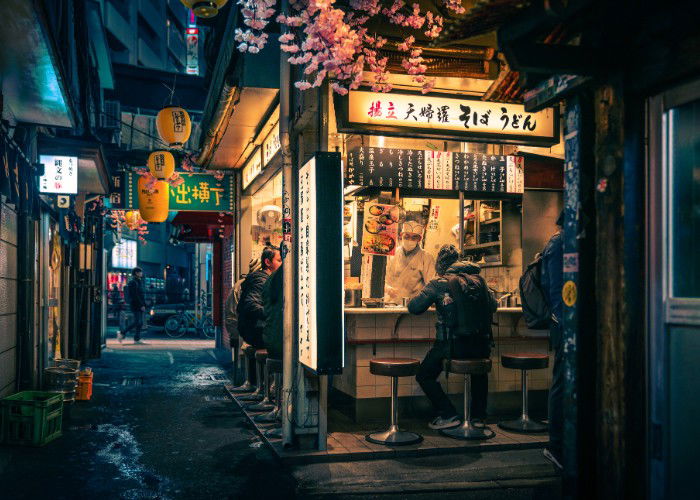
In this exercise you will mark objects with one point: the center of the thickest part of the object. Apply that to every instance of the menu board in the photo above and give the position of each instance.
(320, 293)
(381, 230)
(441, 170)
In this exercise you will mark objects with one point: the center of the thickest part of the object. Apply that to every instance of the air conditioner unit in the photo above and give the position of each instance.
(112, 115)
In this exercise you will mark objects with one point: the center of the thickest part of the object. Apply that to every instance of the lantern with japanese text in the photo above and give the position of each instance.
(161, 164)
(132, 219)
(154, 203)
(204, 9)
(174, 126)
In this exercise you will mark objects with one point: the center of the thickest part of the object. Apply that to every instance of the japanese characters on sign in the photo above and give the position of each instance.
(452, 116)
(251, 169)
(271, 145)
(408, 168)
(60, 174)
(198, 193)
(320, 264)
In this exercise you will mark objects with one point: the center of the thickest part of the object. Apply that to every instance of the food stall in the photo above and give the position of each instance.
(422, 172)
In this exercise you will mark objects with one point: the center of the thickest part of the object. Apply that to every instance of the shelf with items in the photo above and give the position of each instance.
(483, 231)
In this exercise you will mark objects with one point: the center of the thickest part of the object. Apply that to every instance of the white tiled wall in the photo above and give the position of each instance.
(358, 382)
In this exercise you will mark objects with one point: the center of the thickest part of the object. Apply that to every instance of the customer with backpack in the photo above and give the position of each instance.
(552, 281)
(465, 307)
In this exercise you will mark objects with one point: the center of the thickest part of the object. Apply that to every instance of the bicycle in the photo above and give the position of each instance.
(177, 324)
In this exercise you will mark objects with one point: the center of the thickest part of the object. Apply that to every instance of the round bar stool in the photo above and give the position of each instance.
(274, 368)
(259, 394)
(394, 368)
(468, 367)
(524, 363)
(248, 352)
(266, 403)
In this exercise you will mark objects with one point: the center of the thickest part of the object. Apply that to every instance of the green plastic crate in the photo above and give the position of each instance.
(31, 418)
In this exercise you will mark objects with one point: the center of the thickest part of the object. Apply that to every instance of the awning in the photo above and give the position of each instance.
(200, 227)
(33, 88)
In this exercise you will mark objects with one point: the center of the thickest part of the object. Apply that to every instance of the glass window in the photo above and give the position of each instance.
(684, 171)
(266, 226)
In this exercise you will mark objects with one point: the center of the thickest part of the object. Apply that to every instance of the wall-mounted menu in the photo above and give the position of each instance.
(410, 168)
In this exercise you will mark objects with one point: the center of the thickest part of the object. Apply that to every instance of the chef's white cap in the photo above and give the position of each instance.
(412, 227)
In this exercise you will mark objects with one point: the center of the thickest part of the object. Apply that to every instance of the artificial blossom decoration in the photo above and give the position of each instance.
(336, 44)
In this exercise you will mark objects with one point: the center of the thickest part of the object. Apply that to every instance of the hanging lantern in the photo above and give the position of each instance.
(153, 206)
(204, 9)
(132, 219)
(174, 126)
(161, 164)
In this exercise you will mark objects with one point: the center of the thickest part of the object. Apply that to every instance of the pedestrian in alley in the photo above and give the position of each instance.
(552, 283)
(465, 307)
(137, 304)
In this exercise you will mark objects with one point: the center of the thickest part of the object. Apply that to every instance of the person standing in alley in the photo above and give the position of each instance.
(137, 304)
(465, 307)
(552, 283)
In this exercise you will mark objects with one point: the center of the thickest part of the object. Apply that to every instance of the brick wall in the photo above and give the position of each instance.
(8, 299)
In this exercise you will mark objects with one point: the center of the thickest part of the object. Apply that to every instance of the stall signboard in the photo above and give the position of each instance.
(271, 145)
(439, 170)
(251, 169)
(320, 264)
(380, 233)
(198, 193)
(445, 116)
(60, 174)
(125, 254)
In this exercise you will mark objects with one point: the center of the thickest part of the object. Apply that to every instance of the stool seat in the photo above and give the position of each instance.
(394, 367)
(523, 361)
(248, 350)
(468, 366)
(274, 365)
(261, 355)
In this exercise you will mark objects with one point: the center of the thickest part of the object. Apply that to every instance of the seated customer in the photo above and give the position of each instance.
(465, 307)
(272, 300)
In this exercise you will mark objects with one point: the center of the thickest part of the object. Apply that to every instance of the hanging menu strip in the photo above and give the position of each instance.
(441, 170)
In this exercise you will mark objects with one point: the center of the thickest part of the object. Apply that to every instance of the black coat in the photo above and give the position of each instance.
(435, 290)
(134, 291)
(251, 308)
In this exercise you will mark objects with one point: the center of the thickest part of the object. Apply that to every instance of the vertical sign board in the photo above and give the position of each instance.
(60, 174)
(320, 264)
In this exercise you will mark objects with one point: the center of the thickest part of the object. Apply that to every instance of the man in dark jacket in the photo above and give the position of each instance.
(273, 331)
(475, 343)
(552, 284)
(251, 311)
(137, 304)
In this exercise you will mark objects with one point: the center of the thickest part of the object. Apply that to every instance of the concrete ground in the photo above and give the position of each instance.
(160, 426)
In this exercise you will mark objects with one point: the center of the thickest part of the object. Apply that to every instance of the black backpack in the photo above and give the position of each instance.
(471, 313)
(534, 298)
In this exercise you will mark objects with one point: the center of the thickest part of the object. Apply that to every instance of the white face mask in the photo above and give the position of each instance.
(409, 245)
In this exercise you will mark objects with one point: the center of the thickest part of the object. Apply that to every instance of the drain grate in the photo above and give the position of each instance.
(132, 380)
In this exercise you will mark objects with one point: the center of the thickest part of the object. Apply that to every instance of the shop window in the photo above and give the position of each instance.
(684, 206)
(266, 224)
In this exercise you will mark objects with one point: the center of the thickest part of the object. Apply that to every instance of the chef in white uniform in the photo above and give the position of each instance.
(411, 268)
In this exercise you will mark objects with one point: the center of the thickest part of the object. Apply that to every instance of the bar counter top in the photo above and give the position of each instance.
(404, 310)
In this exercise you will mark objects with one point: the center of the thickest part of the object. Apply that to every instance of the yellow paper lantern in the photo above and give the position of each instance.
(174, 126)
(132, 218)
(204, 9)
(161, 164)
(153, 206)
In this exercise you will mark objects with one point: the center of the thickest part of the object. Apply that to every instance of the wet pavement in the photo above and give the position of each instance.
(159, 426)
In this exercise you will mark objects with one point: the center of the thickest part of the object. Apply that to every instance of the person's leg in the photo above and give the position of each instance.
(475, 348)
(138, 324)
(427, 375)
(130, 323)
(556, 396)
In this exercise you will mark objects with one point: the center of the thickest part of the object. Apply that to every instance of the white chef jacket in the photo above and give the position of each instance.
(410, 273)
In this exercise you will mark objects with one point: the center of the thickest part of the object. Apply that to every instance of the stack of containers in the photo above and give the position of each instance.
(62, 378)
(84, 385)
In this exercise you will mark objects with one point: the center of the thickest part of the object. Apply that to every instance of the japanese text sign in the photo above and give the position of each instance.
(251, 169)
(320, 264)
(199, 193)
(60, 174)
(440, 116)
(271, 144)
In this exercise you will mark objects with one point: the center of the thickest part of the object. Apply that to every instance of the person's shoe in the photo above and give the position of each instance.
(139, 342)
(550, 456)
(120, 337)
(445, 423)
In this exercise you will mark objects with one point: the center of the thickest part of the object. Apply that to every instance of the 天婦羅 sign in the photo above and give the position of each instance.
(199, 193)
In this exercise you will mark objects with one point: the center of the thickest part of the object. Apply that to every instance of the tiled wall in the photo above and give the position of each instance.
(8, 299)
(358, 382)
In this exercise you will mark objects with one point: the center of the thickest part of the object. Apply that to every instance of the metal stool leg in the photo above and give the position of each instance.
(394, 435)
(259, 391)
(273, 415)
(467, 430)
(266, 403)
(247, 385)
(524, 423)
